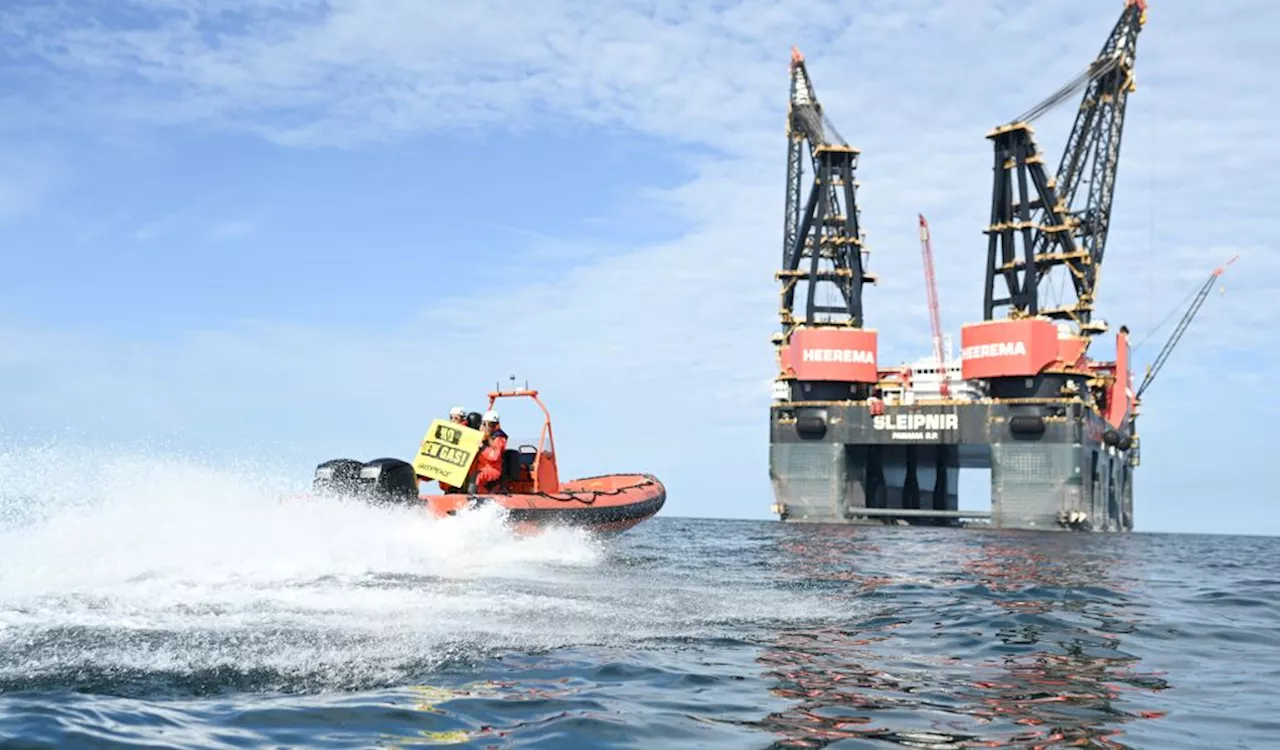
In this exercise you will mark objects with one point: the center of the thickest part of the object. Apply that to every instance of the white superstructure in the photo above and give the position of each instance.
(924, 379)
(918, 381)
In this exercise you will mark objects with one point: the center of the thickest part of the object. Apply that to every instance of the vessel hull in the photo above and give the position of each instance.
(606, 504)
(1053, 465)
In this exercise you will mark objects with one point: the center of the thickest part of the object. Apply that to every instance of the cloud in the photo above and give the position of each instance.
(28, 178)
(232, 228)
(673, 333)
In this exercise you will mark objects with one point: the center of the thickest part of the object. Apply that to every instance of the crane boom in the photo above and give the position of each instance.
(824, 350)
(1181, 328)
(935, 317)
(805, 122)
(1027, 205)
(931, 288)
(825, 231)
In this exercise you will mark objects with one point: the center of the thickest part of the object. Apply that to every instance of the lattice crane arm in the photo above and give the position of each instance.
(1093, 146)
(1117, 51)
(1187, 317)
(1042, 219)
(822, 239)
(806, 115)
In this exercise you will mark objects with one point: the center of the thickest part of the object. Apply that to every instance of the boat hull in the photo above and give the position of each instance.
(604, 504)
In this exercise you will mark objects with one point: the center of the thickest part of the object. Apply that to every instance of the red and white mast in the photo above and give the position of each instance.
(935, 317)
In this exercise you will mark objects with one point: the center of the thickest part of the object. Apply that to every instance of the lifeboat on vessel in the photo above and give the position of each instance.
(529, 489)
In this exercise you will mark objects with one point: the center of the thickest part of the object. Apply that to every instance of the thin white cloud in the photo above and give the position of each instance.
(232, 228)
(678, 332)
(28, 179)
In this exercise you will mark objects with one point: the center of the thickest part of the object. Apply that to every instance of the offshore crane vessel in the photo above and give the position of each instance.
(851, 442)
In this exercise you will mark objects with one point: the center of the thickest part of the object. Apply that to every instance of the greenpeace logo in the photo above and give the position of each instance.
(838, 355)
(1003, 349)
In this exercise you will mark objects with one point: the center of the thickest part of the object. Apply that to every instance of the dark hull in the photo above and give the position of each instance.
(1054, 464)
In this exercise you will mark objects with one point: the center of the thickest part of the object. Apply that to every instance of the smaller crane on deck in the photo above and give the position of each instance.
(935, 317)
(1181, 328)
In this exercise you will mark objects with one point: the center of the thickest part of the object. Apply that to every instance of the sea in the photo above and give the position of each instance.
(186, 606)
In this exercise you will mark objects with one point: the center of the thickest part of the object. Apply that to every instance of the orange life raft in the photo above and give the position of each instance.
(530, 490)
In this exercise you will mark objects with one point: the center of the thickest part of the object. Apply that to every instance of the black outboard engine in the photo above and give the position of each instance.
(388, 481)
(339, 476)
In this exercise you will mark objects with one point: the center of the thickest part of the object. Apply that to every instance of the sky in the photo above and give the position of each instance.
(291, 230)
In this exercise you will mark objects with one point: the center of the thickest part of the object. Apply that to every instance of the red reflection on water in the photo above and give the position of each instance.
(1045, 617)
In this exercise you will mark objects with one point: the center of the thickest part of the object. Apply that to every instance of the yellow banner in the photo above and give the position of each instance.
(447, 452)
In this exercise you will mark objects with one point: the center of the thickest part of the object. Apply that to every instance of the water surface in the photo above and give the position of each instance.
(190, 608)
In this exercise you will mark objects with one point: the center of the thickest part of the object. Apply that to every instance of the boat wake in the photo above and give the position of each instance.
(145, 569)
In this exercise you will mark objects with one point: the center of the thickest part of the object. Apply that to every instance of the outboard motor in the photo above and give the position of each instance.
(339, 476)
(388, 481)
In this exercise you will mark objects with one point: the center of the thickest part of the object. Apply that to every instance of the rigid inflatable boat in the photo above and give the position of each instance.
(529, 488)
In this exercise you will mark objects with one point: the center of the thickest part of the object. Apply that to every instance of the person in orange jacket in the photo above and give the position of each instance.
(489, 462)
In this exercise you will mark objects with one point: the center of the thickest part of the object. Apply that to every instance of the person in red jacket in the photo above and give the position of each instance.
(489, 462)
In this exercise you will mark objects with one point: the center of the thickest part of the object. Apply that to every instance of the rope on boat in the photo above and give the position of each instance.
(568, 497)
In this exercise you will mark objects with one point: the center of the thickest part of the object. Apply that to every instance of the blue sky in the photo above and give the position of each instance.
(299, 229)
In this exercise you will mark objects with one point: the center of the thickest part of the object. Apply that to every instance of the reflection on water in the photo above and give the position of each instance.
(680, 633)
(450, 726)
(1017, 640)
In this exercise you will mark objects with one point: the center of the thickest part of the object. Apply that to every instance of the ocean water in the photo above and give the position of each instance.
(183, 606)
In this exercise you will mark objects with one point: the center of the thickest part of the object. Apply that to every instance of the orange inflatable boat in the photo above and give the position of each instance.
(529, 488)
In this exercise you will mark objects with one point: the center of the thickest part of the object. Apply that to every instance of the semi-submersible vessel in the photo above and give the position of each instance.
(851, 442)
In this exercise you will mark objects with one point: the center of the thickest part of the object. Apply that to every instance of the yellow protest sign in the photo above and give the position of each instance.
(447, 452)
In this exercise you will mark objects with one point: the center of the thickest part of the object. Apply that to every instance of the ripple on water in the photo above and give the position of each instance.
(230, 620)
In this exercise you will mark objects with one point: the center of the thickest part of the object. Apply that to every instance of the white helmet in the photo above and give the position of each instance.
(457, 411)
(490, 416)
